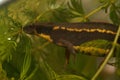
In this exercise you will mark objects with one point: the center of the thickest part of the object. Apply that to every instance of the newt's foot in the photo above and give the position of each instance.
(69, 49)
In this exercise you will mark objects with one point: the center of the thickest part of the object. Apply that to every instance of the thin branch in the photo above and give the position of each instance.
(108, 56)
(94, 11)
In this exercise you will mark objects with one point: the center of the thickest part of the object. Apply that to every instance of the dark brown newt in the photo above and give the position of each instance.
(70, 35)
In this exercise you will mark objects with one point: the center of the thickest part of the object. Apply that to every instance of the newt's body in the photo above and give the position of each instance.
(70, 35)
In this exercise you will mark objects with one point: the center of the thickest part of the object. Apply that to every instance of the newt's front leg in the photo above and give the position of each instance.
(68, 49)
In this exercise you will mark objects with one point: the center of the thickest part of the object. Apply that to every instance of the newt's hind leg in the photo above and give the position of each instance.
(67, 55)
(68, 49)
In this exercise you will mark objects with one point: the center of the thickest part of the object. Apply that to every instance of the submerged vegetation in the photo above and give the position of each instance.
(28, 57)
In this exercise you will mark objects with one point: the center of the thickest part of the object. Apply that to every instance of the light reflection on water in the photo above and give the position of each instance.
(4, 1)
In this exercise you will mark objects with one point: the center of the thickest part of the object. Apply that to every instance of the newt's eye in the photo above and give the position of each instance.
(29, 29)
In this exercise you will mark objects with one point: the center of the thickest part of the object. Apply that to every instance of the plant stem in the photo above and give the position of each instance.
(94, 11)
(39, 16)
(108, 56)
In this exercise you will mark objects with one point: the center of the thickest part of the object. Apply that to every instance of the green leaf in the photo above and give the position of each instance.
(108, 4)
(115, 14)
(27, 58)
(3, 75)
(76, 7)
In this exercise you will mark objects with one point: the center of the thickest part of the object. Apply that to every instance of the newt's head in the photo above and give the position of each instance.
(30, 29)
(38, 28)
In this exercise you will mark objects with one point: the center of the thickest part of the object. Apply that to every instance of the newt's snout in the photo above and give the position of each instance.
(30, 29)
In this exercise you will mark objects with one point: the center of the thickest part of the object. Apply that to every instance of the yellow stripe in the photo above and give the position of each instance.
(56, 28)
(84, 29)
(63, 28)
(92, 50)
(47, 37)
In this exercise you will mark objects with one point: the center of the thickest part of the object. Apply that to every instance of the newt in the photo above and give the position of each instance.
(71, 35)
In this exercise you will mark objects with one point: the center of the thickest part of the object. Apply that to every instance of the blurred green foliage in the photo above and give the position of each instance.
(27, 57)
